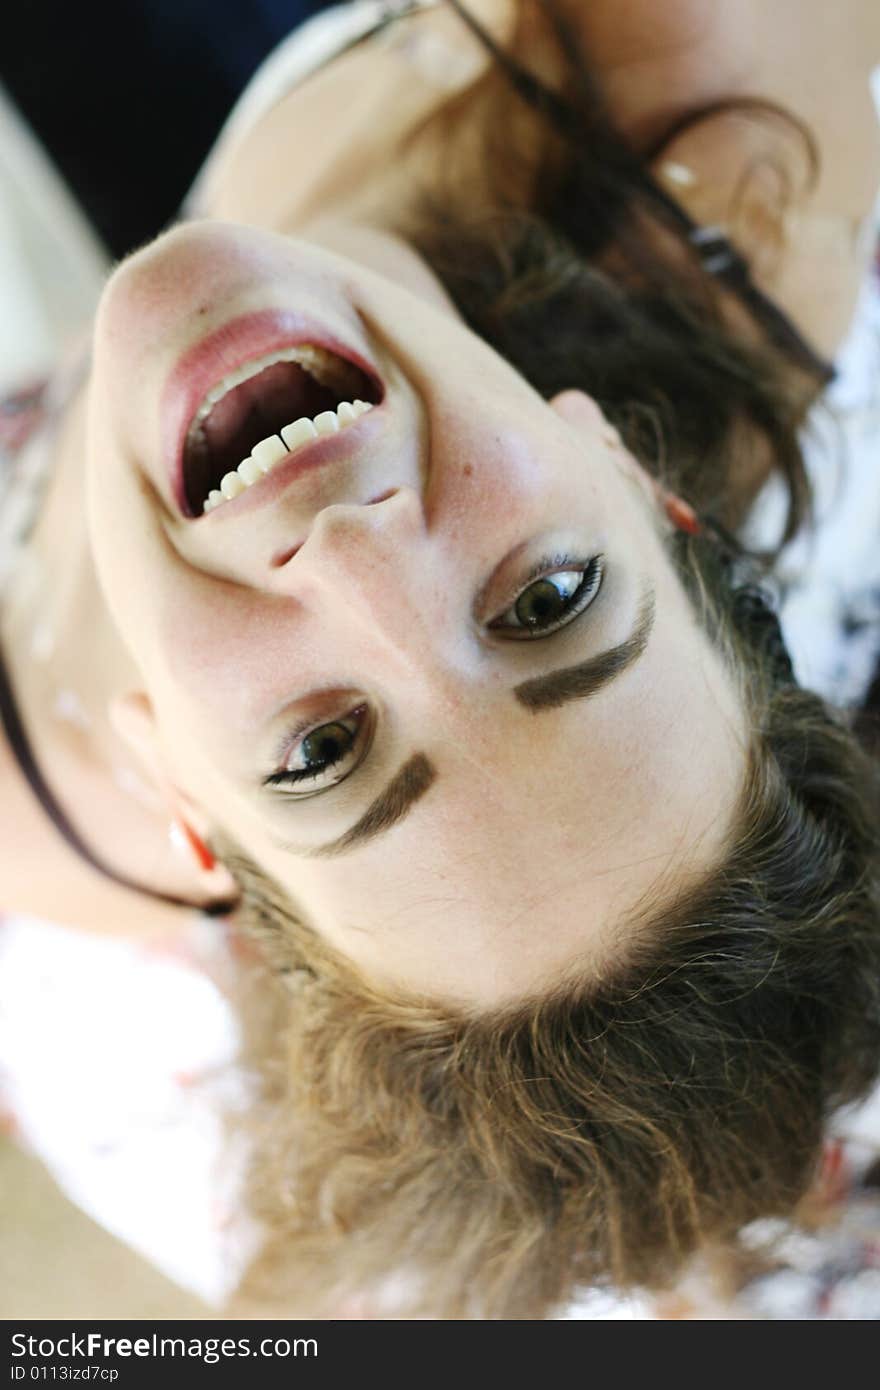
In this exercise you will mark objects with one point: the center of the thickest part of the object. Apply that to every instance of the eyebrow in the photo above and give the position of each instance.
(579, 682)
(557, 688)
(391, 805)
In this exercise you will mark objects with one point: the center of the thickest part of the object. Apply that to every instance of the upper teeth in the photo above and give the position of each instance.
(326, 368)
(264, 456)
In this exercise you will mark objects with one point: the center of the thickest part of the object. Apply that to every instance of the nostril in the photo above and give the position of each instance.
(281, 557)
(338, 521)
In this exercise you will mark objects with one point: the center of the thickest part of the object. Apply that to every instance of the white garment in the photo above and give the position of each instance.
(117, 1068)
(828, 578)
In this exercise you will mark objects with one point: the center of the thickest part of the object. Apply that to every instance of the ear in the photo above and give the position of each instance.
(133, 719)
(586, 418)
(180, 824)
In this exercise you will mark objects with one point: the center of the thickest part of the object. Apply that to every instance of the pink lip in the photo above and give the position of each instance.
(221, 352)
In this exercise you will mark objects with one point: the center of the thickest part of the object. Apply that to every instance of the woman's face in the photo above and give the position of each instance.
(434, 674)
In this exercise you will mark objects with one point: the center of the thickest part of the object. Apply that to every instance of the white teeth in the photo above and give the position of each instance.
(298, 433)
(265, 455)
(326, 422)
(249, 470)
(231, 485)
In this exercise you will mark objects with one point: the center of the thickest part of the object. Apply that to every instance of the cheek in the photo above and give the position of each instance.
(230, 656)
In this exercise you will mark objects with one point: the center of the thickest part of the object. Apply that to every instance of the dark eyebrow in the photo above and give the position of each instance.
(418, 773)
(579, 682)
(407, 786)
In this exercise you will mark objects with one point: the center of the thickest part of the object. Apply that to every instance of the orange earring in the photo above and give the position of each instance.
(183, 834)
(682, 515)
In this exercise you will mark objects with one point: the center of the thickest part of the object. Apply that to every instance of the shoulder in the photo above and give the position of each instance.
(362, 83)
(722, 97)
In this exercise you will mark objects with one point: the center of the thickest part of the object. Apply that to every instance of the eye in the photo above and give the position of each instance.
(319, 756)
(551, 600)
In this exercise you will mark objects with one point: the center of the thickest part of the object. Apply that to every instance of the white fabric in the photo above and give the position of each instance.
(117, 1067)
(828, 579)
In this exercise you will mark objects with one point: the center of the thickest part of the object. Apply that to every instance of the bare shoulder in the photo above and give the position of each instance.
(658, 61)
(795, 194)
(363, 102)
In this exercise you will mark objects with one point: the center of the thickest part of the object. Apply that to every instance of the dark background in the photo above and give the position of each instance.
(128, 95)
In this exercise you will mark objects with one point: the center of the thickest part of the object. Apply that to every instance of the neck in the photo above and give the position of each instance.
(64, 657)
(65, 663)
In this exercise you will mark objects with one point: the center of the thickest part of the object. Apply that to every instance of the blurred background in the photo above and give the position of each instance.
(127, 96)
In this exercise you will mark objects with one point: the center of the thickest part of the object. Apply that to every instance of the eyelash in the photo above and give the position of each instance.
(593, 571)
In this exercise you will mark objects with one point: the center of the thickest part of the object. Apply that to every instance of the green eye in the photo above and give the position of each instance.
(322, 755)
(550, 601)
(325, 747)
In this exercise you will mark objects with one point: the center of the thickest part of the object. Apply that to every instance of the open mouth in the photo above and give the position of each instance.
(262, 412)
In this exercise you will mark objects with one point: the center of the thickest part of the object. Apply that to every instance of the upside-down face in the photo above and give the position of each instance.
(407, 632)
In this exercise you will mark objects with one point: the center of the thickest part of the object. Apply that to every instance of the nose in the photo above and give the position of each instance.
(354, 533)
(374, 563)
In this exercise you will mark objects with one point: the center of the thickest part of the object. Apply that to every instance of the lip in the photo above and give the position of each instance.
(224, 350)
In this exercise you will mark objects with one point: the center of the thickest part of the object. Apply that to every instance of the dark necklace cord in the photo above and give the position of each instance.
(24, 756)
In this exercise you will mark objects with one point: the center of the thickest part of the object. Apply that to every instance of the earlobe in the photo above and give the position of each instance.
(184, 838)
(134, 720)
(680, 514)
(133, 717)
